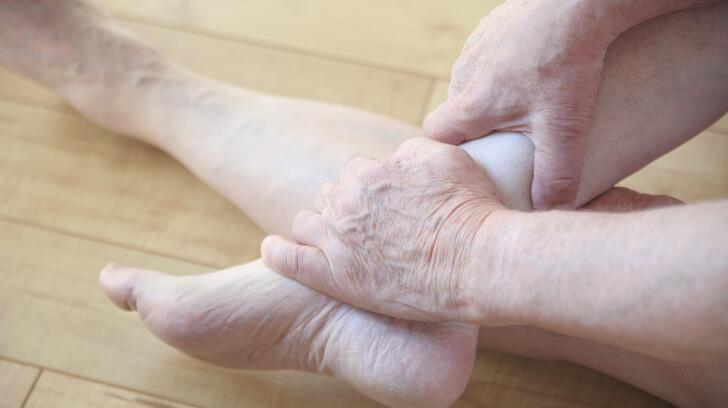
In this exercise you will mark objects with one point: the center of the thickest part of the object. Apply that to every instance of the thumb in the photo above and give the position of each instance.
(306, 264)
(446, 124)
(558, 163)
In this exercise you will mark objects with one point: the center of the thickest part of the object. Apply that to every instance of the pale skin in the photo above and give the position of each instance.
(422, 235)
(535, 67)
(269, 155)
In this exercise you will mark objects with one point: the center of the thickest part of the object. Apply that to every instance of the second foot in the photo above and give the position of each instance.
(250, 317)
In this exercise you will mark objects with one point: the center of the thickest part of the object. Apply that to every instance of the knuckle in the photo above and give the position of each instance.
(449, 153)
(350, 204)
(301, 223)
(370, 172)
(467, 107)
(357, 161)
(326, 191)
(413, 144)
(362, 168)
(431, 150)
(327, 188)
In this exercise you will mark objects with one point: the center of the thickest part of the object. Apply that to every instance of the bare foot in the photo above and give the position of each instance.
(250, 317)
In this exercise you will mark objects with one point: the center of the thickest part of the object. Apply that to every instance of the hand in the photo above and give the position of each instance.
(620, 199)
(393, 236)
(534, 67)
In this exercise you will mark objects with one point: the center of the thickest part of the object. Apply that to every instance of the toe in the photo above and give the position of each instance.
(123, 285)
(155, 297)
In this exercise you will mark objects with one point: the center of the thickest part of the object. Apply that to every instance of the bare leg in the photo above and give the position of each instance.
(247, 316)
(269, 155)
(684, 384)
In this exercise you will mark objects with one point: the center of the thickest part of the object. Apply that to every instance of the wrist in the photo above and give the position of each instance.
(487, 285)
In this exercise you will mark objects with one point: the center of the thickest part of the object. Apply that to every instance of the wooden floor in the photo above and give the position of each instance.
(74, 197)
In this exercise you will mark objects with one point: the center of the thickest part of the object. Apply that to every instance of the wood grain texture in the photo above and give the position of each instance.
(57, 390)
(505, 381)
(268, 70)
(695, 171)
(423, 37)
(63, 173)
(74, 197)
(16, 381)
(55, 316)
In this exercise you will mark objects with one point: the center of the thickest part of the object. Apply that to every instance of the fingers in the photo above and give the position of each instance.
(358, 163)
(309, 229)
(423, 149)
(621, 199)
(305, 264)
(124, 286)
(324, 196)
(358, 167)
(449, 124)
(558, 162)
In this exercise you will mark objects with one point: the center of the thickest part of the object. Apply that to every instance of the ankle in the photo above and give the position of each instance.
(323, 357)
(124, 103)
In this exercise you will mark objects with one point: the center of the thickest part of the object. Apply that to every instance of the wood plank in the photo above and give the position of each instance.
(16, 382)
(123, 200)
(53, 314)
(58, 390)
(721, 126)
(697, 170)
(419, 36)
(134, 195)
(279, 72)
(506, 381)
(45, 151)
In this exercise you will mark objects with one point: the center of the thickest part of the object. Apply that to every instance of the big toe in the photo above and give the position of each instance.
(123, 285)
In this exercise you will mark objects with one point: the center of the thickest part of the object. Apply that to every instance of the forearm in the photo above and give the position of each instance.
(629, 13)
(601, 21)
(663, 82)
(654, 282)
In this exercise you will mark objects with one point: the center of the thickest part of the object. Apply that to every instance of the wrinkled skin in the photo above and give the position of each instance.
(393, 236)
(532, 67)
(621, 200)
(236, 318)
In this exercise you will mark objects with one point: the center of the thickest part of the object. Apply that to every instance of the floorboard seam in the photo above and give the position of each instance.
(121, 387)
(267, 45)
(30, 103)
(87, 379)
(32, 388)
(102, 241)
